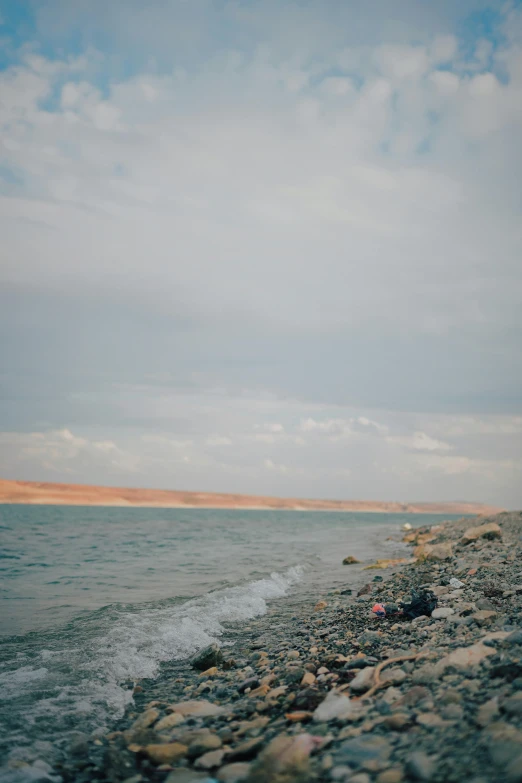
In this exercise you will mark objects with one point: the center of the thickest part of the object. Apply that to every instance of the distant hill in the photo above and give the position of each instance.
(33, 492)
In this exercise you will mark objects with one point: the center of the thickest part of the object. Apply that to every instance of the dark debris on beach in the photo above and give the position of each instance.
(333, 693)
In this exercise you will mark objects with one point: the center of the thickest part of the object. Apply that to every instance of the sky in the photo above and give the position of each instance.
(263, 246)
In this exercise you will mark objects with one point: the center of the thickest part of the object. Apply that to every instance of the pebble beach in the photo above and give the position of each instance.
(330, 691)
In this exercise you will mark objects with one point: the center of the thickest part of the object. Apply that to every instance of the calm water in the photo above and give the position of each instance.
(95, 598)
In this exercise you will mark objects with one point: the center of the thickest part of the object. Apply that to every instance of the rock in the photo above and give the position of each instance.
(434, 552)
(210, 760)
(363, 680)
(196, 708)
(430, 720)
(207, 658)
(284, 759)
(456, 583)
(395, 676)
(487, 711)
(169, 721)
(361, 777)
(442, 613)
(210, 672)
(489, 531)
(294, 654)
(203, 744)
(145, 720)
(250, 683)
(464, 657)
(365, 590)
(513, 705)
(246, 750)
(166, 753)
(182, 775)
(350, 560)
(234, 773)
(399, 721)
(503, 742)
(390, 776)
(485, 603)
(336, 705)
(308, 679)
(368, 752)
(320, 605)
(513, 772)
(484, 617)
(420, 766)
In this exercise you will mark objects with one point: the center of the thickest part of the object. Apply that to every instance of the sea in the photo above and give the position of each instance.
(94, 599)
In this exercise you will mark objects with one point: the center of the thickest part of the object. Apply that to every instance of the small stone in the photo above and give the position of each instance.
(169, 722)
(210, 760)
(442, 613)
(367, 751)
(350, 560)
(399, 721)
(320, 605)
(208, 657)
(196, 708)
(336, 705)
(390, 776)
(246, 750)
(452, 712)
(294, 654)
(487, 711)
(513, 772)
(308, 679)
(395, 676)
(145, 720)
(166, 753)
(210, 672)
(484, 617)
(430, 720)
(363, 680)
(420, 766)
(234, 773)
(361, 777)
(513, 705)
(203, 744)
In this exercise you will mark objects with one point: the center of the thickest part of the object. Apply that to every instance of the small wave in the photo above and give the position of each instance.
(90, 664)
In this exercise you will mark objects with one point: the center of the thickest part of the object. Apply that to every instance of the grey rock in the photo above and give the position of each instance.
(208, 657)
(513, 772)
(513, 705)
(442, 613)
(514, 638)
(234, 773)
(420, 766)
(367, 752)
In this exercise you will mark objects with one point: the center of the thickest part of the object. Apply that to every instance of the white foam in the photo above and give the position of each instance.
(139, 642)
(131, 647)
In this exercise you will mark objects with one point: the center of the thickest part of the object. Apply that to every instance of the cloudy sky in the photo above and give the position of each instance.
(266, 246)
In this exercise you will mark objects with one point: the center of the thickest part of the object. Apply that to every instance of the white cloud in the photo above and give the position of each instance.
(218, 440)
(278, 468)
(419, 441)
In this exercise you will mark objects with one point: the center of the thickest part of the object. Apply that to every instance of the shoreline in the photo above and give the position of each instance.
(39, 493)
(294, 698)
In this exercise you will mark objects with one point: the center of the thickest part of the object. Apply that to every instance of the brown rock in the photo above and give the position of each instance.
(489, 531)
(210, 760)
(484, 617)
(169, 721)
(234, 773)
(284, 759)
(198, 708)
(320, 605)
(166, 753)
(203, 744)
(350, 560)
(434, 552)
(308, 679)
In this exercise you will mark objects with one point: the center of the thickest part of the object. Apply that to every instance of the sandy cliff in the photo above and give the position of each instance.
(33, 492)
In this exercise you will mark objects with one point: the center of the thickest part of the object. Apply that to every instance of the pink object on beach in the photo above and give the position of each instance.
(379, 610)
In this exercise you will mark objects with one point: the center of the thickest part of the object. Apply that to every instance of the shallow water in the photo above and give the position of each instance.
(93, 599)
